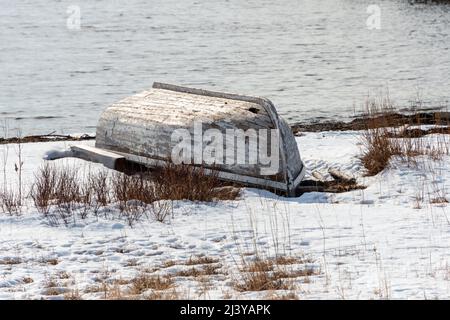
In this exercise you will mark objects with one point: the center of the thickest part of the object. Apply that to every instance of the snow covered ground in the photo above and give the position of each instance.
(387, 241)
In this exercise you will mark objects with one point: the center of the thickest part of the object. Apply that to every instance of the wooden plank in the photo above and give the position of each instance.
(108, 159)
(318, 176)
(341, 176)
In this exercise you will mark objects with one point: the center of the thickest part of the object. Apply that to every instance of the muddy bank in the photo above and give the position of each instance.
(46, 138)
(385, 120)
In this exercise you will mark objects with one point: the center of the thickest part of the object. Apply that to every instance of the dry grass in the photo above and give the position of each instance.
(98, 184)
(52, 291)
(10, 202)
(67, 192)
(267, 264)
(110, 288)
(11, 261)
(160, 210)
(260, 276)
(27, 280)
(287, 260)
(60, 188)
(42, 190)
(305, 272)
(53, 287)
(62, 195)
(380, 142)
(114, 292)
(126, 188)
(261, 281)
(164, 295)
(131, 263)
(268, 275)
(201, 267)
(259, 266)
(439, 200)
(73, 295)
(50, 261)
(143, 286)
(195, 272)
(418, 199)
(272, 274)
(379, 149)
(63, 275)
(94, 288)
(121, 282)
(169, 263)
(171, 182)
(183, 182)
(144, 282)
(200, 260)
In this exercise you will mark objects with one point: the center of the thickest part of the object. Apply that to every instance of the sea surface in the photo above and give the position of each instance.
(313, 59)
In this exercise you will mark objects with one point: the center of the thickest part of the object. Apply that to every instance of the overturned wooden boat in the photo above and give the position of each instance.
(151, 127)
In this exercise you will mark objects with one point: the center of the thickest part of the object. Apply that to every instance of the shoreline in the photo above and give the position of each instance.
(46, 138)
(395, 119)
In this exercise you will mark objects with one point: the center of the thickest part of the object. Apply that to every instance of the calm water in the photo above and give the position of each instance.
(312, 58)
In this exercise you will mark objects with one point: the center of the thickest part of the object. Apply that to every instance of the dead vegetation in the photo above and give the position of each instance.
(50, 261)
(45, 138)
(27, 280)
(396, 119)
(288, 260)
(144, 285)
(73, 295)
(43, 190)
(10, 202)
(172, 294)
(382, 140)
(259, 276)
(268, 275)
(55, 286)
(439, 200)
(183, 182)
(200, 260)
(205, 270)
(144, 282)
(61, 194)
(11, 261)
(272, 274)
(11, 194)
(430, 189)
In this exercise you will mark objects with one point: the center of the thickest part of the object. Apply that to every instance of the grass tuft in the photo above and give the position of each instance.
(382, 140)
(144, 282)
